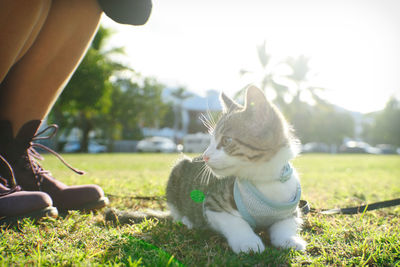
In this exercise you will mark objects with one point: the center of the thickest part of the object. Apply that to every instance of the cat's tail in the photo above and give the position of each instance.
(132, 217)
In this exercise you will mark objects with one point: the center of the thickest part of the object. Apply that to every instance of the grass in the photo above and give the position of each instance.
(328, 181)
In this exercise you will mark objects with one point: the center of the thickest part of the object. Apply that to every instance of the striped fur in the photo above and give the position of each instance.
(244, 138)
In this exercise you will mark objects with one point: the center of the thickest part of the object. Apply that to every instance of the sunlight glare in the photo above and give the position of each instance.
(353, 46)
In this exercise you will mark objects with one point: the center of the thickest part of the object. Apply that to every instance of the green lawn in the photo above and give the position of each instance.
(328, 181)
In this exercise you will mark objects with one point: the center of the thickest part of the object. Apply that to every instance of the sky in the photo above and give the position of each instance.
(354, 45)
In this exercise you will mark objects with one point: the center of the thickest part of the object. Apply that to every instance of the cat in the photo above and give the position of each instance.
(243, 181)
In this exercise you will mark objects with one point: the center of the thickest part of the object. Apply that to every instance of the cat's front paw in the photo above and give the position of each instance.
(247, 244)
(294, 242)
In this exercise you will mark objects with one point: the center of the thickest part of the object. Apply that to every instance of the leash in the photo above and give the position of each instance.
(305, 207)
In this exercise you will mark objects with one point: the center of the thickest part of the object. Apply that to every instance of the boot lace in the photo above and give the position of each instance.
(34, 156)
(14, 186)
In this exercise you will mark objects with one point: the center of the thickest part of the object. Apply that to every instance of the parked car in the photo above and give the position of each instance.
(75, 146)
(387, 149)
(315, 147)
(359, 147)
(157, 144)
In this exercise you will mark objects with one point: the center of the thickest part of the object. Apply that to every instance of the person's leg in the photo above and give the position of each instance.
(32, 85)
(20, 22)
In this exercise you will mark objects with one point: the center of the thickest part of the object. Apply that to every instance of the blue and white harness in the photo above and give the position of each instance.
(260, 211)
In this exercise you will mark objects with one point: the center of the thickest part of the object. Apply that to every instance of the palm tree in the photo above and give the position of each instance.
(296, 84)
(299, 76)
(267, 75)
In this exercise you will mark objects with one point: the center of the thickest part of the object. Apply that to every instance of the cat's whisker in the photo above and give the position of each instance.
(211, 118)
(208, 122)
(204, 120)
(213, 124)
(205, 173)
(201, 172)
(209, 174)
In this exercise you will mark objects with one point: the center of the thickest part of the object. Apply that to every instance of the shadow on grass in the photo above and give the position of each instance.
(165, 243)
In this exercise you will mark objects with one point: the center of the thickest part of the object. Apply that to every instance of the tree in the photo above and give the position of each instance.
(121, 122)
(267, 76)
(299, 75)
(317, 121)
(386, 126)
(288, 79)
(87, 96)
(136, 103)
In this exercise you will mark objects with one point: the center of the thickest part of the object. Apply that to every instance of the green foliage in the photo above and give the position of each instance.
(386, 126)
(328, 181)
(87, 96)
(136, 102)
(153, 109)
(100, 98)
(320, 123)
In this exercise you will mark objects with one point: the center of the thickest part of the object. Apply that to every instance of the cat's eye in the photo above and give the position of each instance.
(226, 141)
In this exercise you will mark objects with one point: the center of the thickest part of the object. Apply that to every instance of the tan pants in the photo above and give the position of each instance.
(41, 45)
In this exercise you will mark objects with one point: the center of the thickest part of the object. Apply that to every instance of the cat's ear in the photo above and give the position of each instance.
(256, 100)
(228, 104)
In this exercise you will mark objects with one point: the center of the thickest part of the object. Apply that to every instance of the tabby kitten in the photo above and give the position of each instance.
(244, 180)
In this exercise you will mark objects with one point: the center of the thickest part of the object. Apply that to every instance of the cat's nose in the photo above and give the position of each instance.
(206, 158)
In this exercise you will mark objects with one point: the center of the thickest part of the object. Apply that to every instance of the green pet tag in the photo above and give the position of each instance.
(197, 196)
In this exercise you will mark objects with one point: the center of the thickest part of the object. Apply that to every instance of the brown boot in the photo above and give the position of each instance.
(16, 204)
(22, 156)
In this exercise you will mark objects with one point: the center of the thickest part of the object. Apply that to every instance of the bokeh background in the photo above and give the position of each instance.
(332, 67)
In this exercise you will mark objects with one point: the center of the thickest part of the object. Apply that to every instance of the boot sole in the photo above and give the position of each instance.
(95, 205)
(100, 203)
(46, 212)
